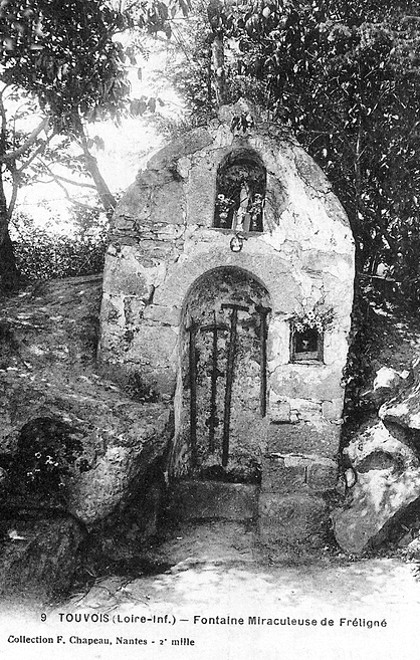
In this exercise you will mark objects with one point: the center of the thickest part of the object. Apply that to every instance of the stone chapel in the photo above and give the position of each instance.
(228, 290)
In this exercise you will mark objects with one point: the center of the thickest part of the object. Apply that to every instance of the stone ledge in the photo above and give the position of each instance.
(292, 473)
(321, 441)
(213, 500)
(282, 479)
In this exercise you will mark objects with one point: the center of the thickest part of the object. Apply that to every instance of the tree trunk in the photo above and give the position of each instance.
(9, 275)
(360, 252)
(214, 15)
(105, 195)
(218, 59)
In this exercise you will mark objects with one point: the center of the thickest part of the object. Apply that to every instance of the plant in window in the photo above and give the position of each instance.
(314, 319)
(255, 211)
(224, 206)
(242, 123)
(307, 334)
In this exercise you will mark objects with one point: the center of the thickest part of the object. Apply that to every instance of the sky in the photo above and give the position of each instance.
(127, 146)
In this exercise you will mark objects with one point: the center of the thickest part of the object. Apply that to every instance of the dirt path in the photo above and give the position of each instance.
(328, 608)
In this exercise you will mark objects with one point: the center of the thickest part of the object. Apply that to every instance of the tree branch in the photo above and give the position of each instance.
(15, 190)
(58, 177)
(13, 155)
(107, 198)
(67, 194)
(3, 126)
(35, 154)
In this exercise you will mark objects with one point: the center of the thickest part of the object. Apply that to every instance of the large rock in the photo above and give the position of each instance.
(39, 555)
(404, 410)
(48, 372)
(385, 460)
(376, 447)
(387, 379)
(378, 500)
(387, 384)
(388, 482)
(114, 477)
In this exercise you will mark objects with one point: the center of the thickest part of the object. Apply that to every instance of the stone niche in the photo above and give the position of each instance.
(228, 290)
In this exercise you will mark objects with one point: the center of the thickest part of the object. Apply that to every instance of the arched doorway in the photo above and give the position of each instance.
(223, 370)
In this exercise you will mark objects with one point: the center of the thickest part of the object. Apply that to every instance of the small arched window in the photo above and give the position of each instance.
(240, 192)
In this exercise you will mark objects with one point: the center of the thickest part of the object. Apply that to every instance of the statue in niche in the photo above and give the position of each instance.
(240, 194)
(241, 221)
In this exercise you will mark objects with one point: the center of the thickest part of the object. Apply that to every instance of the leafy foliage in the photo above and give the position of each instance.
(364, 344)
(67, 57)
(138, 390)
(40, 256)
(155, 15)
(44, 255)
(46, 454)
(63, 53)
(313, 319)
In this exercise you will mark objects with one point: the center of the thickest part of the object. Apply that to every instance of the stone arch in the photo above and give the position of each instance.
(222, 389)
(212, 275)
(241, 182)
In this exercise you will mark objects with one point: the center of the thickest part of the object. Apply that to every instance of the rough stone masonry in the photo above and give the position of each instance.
(244, 329)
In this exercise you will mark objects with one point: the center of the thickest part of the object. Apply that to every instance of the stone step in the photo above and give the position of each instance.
(193, 500)
(292, 519)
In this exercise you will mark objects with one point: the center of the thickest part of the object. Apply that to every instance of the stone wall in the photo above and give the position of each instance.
(163, 242)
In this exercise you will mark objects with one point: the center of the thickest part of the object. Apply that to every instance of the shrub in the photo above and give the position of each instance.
(47, 452)
(43, 256)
